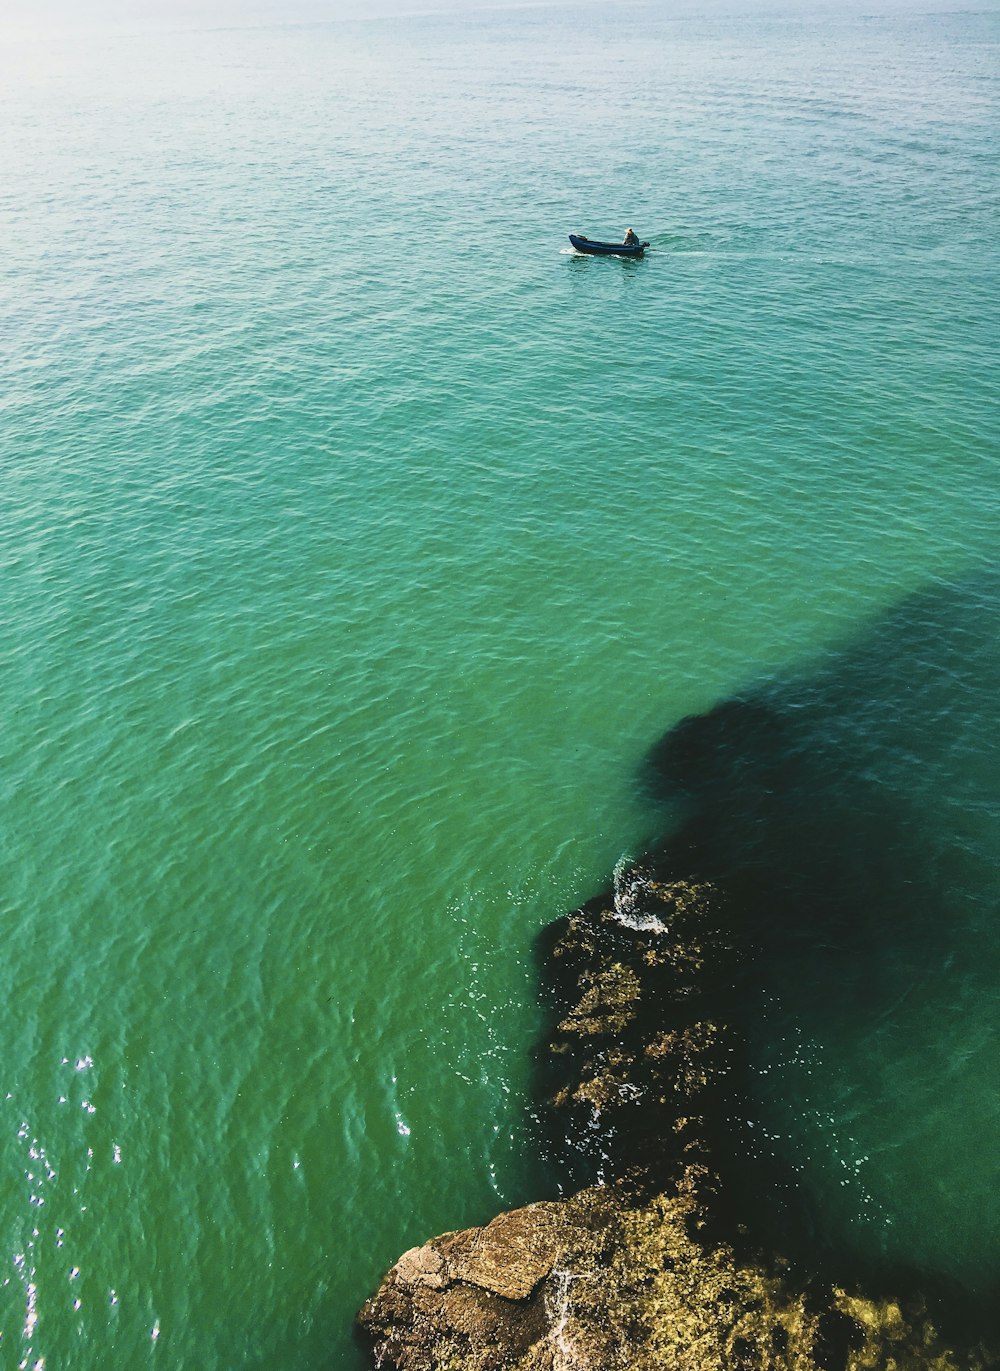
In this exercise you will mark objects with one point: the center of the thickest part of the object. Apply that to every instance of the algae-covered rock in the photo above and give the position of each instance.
(639, 1273)
(639, 981)
(617, 1285)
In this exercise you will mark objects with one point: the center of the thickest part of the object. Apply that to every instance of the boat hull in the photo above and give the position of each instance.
(606, 249)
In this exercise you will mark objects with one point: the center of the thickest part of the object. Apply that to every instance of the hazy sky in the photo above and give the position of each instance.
(35, 15)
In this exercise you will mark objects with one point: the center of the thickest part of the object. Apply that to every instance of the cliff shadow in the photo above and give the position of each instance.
(851, 816)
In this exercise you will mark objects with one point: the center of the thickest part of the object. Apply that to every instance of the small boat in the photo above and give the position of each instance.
(606, 249)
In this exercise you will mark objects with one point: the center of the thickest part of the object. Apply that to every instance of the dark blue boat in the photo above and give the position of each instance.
(606, 249)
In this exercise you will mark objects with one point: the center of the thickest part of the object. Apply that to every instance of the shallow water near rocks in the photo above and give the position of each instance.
(358, 543)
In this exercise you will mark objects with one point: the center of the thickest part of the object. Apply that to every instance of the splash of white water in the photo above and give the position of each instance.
(557, 1303)
(629, 884)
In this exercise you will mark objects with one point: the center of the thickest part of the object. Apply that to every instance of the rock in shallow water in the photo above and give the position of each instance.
(632, 1275)
(609, 1284)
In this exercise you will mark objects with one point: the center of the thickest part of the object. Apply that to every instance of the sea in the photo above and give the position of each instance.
(358, 541)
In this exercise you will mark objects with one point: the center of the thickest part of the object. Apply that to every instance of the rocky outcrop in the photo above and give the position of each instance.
(688, 1246)
(600, 1282)
(640, 983)
(650, 1267)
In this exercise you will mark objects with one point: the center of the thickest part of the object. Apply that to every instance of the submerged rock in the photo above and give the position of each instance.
(650, 1267)
(640, 982)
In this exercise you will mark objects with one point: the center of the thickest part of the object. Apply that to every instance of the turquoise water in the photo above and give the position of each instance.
(358, 541)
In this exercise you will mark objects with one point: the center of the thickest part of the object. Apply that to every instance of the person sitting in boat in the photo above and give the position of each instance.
(630, 240)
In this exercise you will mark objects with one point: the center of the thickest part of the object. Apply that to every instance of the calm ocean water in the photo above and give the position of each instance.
(358, 540)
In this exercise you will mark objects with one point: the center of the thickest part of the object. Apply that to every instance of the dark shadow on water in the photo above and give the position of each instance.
(852, 817)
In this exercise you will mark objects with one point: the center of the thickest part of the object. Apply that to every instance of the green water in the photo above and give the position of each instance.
(358, 541)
